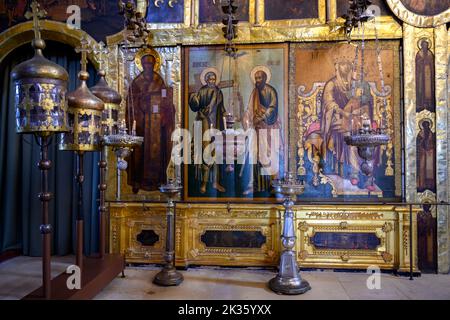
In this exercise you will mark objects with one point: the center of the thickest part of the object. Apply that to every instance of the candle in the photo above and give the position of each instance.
(134, 128)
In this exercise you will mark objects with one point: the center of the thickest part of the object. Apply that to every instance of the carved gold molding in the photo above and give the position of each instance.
(22, 33)
(388, 223)
(257, 30)
(385, 224)
(415, 19)
(442, 146)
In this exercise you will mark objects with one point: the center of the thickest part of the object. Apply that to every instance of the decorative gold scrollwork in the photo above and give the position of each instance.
(345, 257)
(343, 225)
(387, 257)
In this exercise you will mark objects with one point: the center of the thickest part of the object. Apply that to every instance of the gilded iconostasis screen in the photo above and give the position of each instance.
(327, 99)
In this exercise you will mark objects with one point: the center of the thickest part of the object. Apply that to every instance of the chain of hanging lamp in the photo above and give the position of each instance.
(229, 8)
(365, 138)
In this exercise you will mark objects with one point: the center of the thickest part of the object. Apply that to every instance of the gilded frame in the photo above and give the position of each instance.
(185, 121)
(395, 109)
(120, 75)
(191, 33)
(415, 19)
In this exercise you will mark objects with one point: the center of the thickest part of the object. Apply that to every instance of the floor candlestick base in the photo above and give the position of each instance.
(169, 276)
(288, 281)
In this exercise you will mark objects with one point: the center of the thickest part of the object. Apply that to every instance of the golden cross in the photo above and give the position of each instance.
(84, 49)
(102, 51)
(36, 14)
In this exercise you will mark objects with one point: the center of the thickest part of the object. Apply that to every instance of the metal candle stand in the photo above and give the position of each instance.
(103, 165)
(45, 196)
(288, 281)
(80, 214)
(40, 88)
(169, 276)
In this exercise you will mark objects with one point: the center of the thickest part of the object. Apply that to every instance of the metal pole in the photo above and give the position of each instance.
(119, 174)
(102, 207)
(169, 276)
(80, 215)
(410, 244)
(46, 229)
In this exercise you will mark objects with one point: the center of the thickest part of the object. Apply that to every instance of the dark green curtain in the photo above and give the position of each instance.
(20, 209)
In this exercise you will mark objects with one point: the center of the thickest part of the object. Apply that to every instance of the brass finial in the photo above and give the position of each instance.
(36, 13)
(84, 48)
(101, 89)
(102, 52)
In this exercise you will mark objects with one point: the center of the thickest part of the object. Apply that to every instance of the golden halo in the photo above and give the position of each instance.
(430, 43)
(427, 120)
(208, 70)
(265, 69)
(147, 52)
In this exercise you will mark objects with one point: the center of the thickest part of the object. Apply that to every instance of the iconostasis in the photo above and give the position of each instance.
(294, 59)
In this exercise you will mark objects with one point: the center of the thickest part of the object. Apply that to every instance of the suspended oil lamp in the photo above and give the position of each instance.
(122, 144)
(365, 139)
(41, 109)
(85, 114)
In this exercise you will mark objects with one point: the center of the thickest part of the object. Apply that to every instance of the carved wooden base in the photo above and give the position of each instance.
(328, 236)
(97, 274)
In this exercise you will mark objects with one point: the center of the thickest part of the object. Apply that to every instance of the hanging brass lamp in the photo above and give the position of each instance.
(40, 88)
(84, 113)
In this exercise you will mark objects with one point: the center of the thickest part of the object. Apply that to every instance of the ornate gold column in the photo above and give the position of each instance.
(442, 152)
(409, 58)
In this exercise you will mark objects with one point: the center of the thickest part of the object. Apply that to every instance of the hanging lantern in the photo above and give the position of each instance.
(111, 99)
(40, 90)
(365, 139)
(84, 114)
(85, 119)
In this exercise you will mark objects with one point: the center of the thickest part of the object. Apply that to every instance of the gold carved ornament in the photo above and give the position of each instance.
(415, 19)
